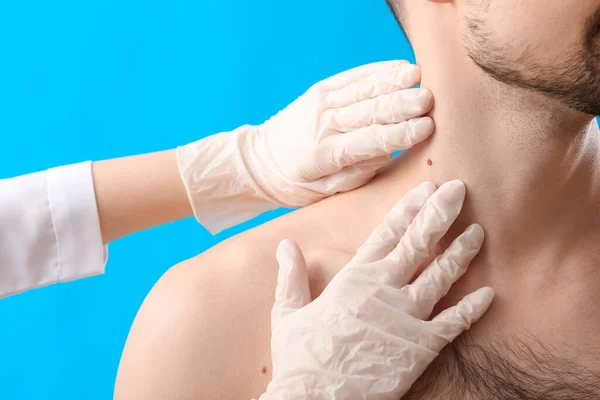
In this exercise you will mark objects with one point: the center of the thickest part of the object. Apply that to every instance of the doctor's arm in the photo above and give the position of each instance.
(139, 192)
(54, 225)
(332, 139)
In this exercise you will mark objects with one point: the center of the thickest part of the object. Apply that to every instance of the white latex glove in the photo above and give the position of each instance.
(332, 139)
(368, 336)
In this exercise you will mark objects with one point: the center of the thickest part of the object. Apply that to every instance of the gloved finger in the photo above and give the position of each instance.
(346, 78)
(350, 177)
(428, 227)
(404, 76)
(374, 141)
(435, 281)
(387, 235)
(292, 292)
(332, 155)
(450, 323)
(386, 109)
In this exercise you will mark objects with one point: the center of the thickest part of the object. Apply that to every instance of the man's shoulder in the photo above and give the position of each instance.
(204, 328)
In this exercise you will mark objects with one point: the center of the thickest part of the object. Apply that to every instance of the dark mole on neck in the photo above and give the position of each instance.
(429, 162)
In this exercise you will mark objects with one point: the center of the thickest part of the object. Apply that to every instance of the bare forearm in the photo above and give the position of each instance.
(139, 192)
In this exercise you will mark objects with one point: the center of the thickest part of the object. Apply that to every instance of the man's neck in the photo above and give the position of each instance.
(531, 165)
(532, 172)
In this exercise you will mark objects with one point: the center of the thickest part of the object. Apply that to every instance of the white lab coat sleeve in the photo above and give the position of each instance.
(49, 229)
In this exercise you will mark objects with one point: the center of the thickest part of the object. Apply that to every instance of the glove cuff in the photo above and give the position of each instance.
(221, 189)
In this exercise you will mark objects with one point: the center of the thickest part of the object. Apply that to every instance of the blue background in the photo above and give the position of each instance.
(97, 79)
